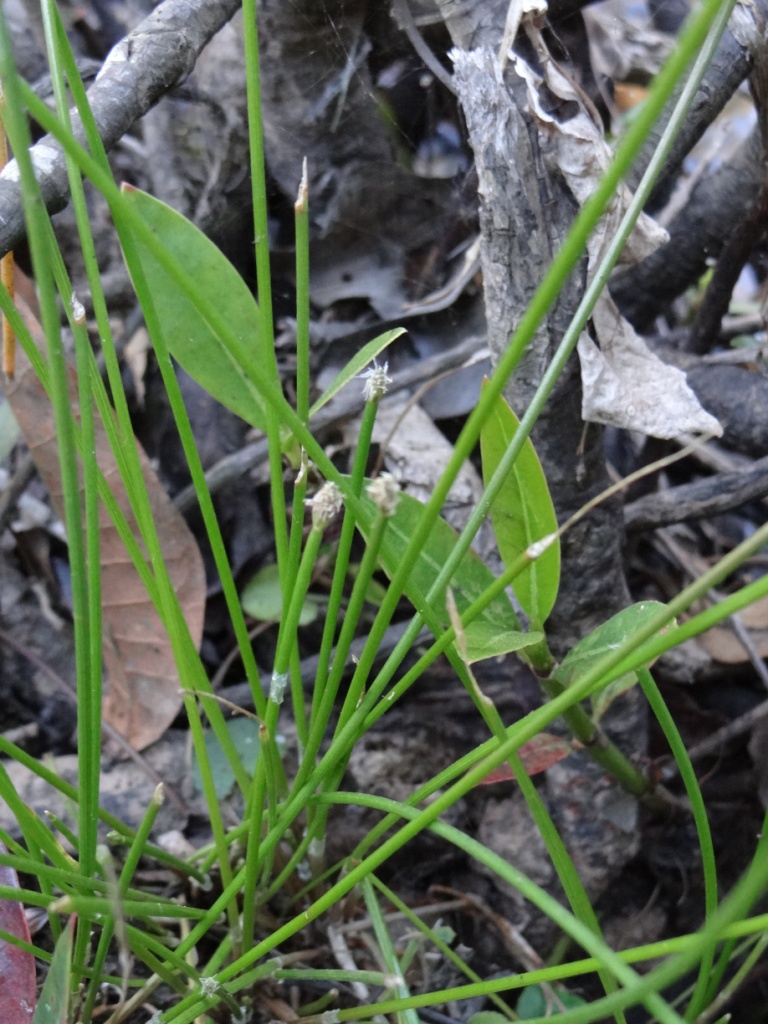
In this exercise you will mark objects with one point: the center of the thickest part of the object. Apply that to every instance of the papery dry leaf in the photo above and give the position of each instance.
(623, 383)
(143, 689)
(622, 45)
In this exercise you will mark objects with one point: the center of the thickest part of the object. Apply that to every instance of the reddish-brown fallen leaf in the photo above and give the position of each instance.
(142, 693)
(17, 967)
(537, 755)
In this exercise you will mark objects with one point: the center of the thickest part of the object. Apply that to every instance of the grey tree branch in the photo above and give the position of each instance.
(717, 203)
(526, 209)
(708, 497)
(156, 56)
(733, 60)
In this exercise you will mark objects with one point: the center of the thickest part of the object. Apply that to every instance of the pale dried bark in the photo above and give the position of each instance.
(526, 210)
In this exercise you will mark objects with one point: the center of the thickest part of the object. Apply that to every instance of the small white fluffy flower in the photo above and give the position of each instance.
(325, 505)
(376, 380)
(384, 492)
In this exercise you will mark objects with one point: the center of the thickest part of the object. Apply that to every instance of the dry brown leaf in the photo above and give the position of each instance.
(722, 644)
(143, 689)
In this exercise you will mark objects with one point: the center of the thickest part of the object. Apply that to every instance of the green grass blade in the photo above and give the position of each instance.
(356, 365)
(53, 1005)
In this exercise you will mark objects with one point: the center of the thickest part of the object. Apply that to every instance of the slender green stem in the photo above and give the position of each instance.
(318, 816)
(89, 687)
(602, 750)
(88, 705)
(354, 609)
(326, 677)
(265, 768)
(709, 866)
(124, 449)
(263, 279)
(431, 936)
(135, 852)
(387, 952)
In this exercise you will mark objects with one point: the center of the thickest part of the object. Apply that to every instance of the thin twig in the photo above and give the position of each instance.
(155, 57)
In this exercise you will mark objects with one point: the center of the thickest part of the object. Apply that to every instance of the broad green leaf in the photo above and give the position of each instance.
(601, 641)
(521, 514)
(262, 598)
(470, 580)
(53, 1004)
(356, 365)
(191, 341)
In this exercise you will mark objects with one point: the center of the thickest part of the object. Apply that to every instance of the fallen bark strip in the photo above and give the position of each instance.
(156, 56)
(711, 496)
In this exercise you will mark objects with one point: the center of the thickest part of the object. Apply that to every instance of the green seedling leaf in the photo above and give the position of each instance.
(488, 1017)
(53, 1005)
(471, 579)
(191, 341)
(522, 514)
(601, 641)
(536, 1001)
(245, 736)
(356, 365)
(262, 598)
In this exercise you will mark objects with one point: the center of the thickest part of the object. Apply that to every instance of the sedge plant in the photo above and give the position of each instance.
(209, 958)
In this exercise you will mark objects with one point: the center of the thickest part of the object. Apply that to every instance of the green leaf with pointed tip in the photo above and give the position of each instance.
(522, 514)
(485, 641)
(191, 341)
(601, 641)
(471, 579)
(53, 1004)
(356, 365)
